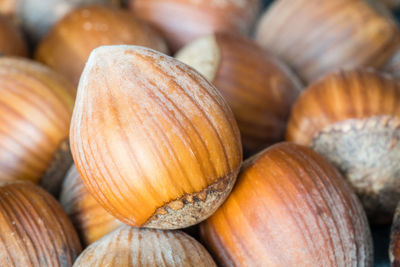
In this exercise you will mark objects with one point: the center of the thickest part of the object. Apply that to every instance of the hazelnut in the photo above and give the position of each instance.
(352, 118)
(90, 219)
(182, 21)
(38, 17)
(68, 45)
(154, 142)
(35, 231)
(36, 107)
(316, 37)
(128, 246)
(259, 88)
(290, 207)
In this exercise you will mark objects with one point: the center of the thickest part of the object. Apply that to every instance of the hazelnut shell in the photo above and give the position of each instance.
(316, 37)
(128, 246)
(182, 21)
(35, 231)
(352, 118)
(36, 107)
(154, 141)
(68, 45)
(259, 87)
(290, 207)
(38, 17)
(90, 219)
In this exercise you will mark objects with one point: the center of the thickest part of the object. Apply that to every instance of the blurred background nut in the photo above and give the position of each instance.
(128, 246)
(316, 37)
(34, 229)
(182, 21)
(259, 88)
(90, 219)
(67, 47)
(352, 118)
(35, 110)
(37, 17)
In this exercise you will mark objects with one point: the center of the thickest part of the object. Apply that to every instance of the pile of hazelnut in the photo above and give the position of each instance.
(198, 132)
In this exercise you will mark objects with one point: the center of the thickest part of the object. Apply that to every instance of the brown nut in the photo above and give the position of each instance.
(153, 140)
(352, 118)
(38, 17)
(67, 47)
(34, 229)
(35, 109)
(128, 246)
(316, 37)
(90, 219)
(290, 207)
(259, 88)
(182, 21)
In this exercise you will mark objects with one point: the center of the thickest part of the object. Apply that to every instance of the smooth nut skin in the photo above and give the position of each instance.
(352, 118)
(35, 108)
(68, 45)
(133, 247)
(289, 207)
(153, 140)
(328, 35)
(35, 231)
(90, 219)
(182, 21)
(11, 40)
(259, 88)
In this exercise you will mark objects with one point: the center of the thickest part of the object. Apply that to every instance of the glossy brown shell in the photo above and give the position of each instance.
(342, 95)
(35, 109)
(352, 118)
(154, 141)
(316, 37)
(134, 247)
(68, 45)
(182, 21)
(290, 207)
(35, 231)
(90, 219)
(38, 17)
(259, 88)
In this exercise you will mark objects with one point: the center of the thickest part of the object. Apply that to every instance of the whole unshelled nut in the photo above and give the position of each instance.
(68, 45)
(259, 87)
(182, 21)
(352, 118)
(153, 140)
